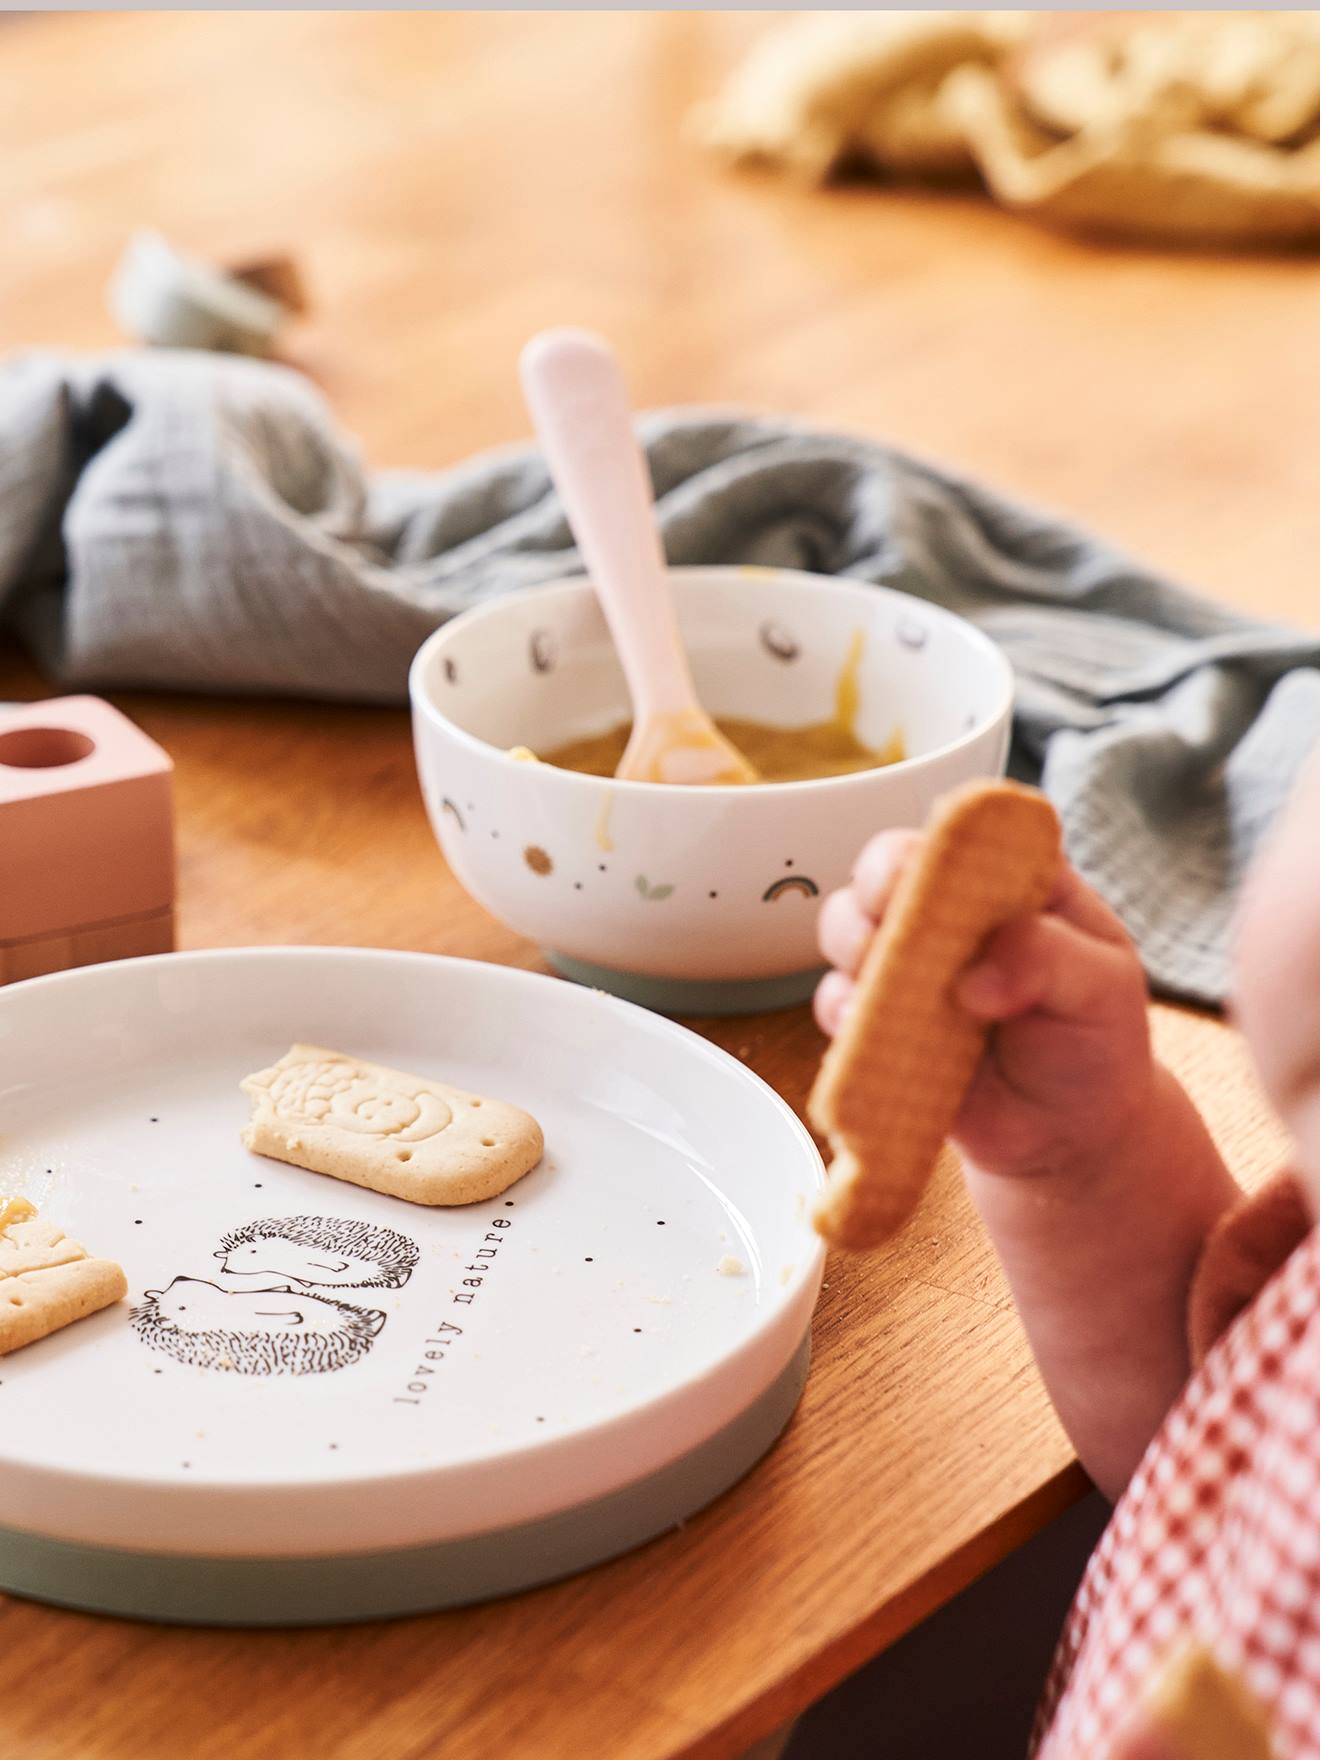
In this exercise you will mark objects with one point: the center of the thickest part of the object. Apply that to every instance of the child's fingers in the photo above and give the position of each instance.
(1042, 962)
(1079, 904)
(844, 930)
(878, 868)
(848, 917)
(1064, 962)
(833, 999)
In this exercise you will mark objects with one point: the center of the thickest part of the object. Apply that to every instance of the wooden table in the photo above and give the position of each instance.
(451, 182)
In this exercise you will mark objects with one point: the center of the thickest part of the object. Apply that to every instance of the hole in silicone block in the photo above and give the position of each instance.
(43, 748)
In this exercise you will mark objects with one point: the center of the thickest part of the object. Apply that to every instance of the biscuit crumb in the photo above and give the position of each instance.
(731, 1267)
(786, 1272)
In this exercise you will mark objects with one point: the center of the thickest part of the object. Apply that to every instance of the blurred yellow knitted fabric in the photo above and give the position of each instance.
(1202, 127)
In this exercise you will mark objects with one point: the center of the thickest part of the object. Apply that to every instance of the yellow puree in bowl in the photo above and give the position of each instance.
(780, 754)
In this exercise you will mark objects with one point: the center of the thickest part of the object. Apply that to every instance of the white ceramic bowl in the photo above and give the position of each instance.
(691, 899)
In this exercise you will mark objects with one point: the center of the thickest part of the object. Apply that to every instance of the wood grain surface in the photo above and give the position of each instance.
(448, 182)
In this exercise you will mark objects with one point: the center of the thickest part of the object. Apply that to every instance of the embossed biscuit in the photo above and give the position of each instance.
(891, 1084)
(47, 1281)
(399, 1134)
(35, 1245)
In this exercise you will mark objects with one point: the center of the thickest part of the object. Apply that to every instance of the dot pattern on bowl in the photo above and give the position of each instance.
(541, 863)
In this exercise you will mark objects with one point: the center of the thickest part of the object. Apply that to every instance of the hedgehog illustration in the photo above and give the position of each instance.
(254, 1331)
(319, 1250)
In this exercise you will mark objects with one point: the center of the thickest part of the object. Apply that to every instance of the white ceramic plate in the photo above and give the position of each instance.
(600, 1343)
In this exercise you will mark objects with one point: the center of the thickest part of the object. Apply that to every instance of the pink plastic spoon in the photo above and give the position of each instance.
(579, 406)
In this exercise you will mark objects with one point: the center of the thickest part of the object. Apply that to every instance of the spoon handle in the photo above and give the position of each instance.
(579, 406)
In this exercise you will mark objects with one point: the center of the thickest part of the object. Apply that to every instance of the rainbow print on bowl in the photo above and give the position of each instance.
(790, 883)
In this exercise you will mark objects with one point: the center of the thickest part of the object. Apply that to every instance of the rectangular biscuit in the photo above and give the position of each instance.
(403, 1135)
(890, 1086)
(35, 1246)
(34, 1304)
(47, 1281)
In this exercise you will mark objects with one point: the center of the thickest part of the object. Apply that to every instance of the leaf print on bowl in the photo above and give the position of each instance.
(653, 894)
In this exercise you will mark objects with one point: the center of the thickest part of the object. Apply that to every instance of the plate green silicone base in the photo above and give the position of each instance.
(692, 995)
(384, 1585)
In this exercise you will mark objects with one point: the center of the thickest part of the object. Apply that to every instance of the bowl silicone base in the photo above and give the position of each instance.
(692, 996)
(383, 1585)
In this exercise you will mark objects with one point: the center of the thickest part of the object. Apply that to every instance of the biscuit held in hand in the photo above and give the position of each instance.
(1197, 1710)
(393, 1133)
(891, 1084)
(47, 1281)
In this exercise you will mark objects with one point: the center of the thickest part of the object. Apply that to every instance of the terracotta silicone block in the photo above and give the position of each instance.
(86, 838)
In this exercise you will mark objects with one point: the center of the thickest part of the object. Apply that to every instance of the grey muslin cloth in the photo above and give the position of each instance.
(196, 522)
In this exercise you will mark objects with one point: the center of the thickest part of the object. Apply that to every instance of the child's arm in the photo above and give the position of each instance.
(1278, 971)
(1090, 1166)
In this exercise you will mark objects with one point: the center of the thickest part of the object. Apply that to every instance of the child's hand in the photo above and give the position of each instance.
(1068, 1069)
(1100, 1246)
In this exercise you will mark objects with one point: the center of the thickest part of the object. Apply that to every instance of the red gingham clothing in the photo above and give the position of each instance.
(1216, 1539)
